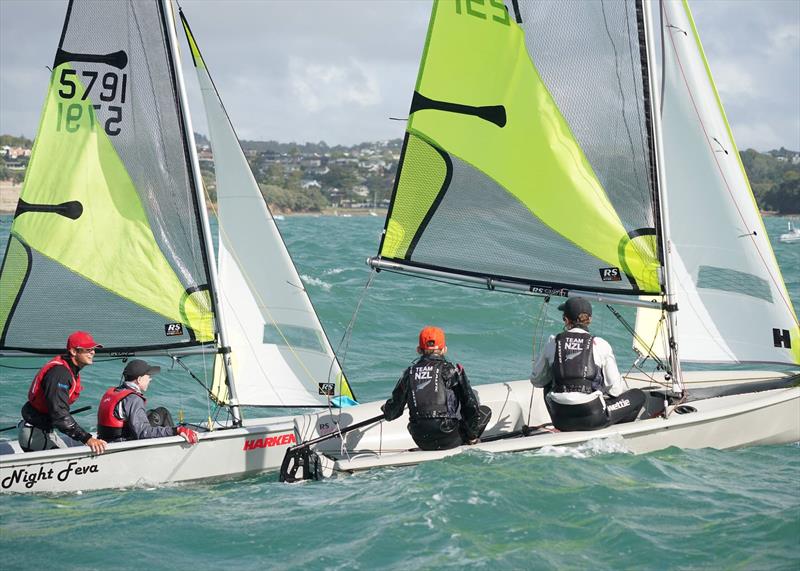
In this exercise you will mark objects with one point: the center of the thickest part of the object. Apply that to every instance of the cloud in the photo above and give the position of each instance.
(735, 81)
(322, 86)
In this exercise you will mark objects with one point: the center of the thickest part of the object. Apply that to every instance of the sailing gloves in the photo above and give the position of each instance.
(188, 434)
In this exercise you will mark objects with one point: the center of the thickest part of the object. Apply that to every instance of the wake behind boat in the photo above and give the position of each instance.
(750, 409)
(793, 235)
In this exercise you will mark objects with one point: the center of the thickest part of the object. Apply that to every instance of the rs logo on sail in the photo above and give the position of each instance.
(269, 441)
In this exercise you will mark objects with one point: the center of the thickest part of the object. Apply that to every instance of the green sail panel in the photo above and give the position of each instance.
(108, 213)
(491, 120)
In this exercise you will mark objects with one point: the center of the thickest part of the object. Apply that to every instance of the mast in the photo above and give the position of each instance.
(166, 7)
(662, 205)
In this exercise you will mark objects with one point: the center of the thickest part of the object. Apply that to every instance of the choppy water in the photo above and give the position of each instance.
(597, 507)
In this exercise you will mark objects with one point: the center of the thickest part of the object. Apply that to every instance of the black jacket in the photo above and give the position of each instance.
(464, 400)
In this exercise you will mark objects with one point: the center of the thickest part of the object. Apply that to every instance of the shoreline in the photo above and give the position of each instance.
(9, 196)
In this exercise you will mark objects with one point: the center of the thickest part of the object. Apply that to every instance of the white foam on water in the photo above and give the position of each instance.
(316, 282)
(594, 447)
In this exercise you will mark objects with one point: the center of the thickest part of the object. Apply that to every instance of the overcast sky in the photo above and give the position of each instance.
(336, 71)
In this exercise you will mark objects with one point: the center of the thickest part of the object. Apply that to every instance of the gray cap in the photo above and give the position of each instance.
(136, 368)
(574, 306)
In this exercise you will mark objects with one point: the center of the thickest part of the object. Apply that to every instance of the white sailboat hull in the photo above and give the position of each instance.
(223, 453)
(766, 417)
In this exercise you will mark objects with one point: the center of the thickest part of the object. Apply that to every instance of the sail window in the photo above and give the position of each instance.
(292, 336)
(725, 279)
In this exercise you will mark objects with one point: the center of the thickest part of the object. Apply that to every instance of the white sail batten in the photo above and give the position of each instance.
(279, 351)
(732, 302)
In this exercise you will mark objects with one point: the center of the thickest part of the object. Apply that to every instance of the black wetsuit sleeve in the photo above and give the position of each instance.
(468, 400)
(138, 424)
(393, 407)
(55, 384)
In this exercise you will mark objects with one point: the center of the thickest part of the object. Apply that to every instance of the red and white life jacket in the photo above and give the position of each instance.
(109, 427)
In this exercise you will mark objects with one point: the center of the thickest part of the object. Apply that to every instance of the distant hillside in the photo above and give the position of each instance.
(12, 141)
(315, 175)
(775, 179)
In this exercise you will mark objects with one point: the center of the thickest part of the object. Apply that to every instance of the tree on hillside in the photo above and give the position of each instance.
(300, 200)
(12, 141)
(784, 197)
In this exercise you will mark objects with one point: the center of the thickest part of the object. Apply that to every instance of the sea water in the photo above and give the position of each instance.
(594, 507)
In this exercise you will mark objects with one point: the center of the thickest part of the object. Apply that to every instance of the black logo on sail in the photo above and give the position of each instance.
(781, 338)
(328, 389)
(173, 329)
(610, 275)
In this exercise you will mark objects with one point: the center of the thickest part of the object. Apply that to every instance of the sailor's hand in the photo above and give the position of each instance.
(98, 446)
(473, 441)
(187, 434)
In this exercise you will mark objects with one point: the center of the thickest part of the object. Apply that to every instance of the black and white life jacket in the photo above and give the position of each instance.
(574, 369)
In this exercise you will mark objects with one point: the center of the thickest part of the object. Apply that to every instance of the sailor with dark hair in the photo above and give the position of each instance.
(584, 389)
(53, 390)
(443, 409)
(122, 416)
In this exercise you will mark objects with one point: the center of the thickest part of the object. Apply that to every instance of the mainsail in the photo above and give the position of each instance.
(279, 351)
(108, 232)
(732, 302)
(528, 155)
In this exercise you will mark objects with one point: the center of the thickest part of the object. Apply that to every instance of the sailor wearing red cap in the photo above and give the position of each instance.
(121, 414)
(579, 372)
(443, 409)
(55, 387)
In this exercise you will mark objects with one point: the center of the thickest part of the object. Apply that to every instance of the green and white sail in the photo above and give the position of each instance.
(279, 351)
(528, 154)
(108, 233)
(732, 301)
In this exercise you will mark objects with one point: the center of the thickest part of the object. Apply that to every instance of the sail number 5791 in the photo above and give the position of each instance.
(110, 88)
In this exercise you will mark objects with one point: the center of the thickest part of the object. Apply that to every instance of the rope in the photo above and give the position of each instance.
(342, 348)
(538, 335)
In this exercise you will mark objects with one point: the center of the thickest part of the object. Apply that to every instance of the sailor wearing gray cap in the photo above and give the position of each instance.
(584, 390)
(122, 416)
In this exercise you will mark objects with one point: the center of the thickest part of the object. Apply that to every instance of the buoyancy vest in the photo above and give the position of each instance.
(430, 397)
(36, 394)
(109, 427)
(574, 369)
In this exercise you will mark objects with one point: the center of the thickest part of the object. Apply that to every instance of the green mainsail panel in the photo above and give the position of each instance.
(107, 233)
(420, 187)
(482, 105)
(110, 244)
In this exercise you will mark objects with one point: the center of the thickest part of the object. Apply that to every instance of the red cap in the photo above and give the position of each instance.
(431, 338)
(81, 340)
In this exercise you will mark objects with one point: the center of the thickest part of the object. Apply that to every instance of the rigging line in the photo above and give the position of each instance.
(786, 302)
(636, 336)
(176, 359)
(538, 328)
(205, 376)
(649, 348)
(344, 343)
